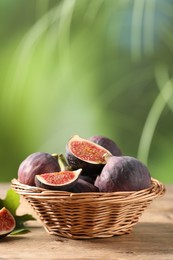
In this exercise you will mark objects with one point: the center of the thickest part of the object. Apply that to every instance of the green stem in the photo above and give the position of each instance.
(63, 163)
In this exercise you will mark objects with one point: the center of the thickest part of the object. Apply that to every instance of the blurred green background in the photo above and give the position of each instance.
(87, 67)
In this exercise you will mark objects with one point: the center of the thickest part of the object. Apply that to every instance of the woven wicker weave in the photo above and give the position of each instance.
(88, 215)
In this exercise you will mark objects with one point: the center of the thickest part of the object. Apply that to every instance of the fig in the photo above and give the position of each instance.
(89, 179)
(7, 222)
(36, 163)
(107, 143)
(83, 186)
(85, 154)
(62, 180)
(123, 173)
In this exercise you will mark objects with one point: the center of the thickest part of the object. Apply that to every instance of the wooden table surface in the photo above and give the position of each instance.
(151, 238)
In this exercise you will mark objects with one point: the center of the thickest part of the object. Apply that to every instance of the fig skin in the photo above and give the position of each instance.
(83, 186)
(36, 163)
(89, 168)
(123, 173)
(107, 143)
(89, 179)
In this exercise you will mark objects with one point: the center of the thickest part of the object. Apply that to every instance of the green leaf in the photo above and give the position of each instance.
(20, 231)
(12, 202)
(20, 220)
(24, 218)
(20, 224)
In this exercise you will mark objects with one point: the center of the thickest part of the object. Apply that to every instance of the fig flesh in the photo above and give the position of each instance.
(107, 143)
(36, 163)
(83, 186)
(85, 154)
(123, 173)
(7, 222)
(63, 180)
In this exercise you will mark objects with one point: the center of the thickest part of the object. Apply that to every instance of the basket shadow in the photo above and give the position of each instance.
(145, 238)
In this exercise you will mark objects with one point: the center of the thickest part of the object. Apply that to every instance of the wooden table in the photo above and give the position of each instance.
(151, 238)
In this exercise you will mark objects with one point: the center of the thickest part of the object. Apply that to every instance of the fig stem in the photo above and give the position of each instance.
(56, 156)
(63, 163)
(106, 156)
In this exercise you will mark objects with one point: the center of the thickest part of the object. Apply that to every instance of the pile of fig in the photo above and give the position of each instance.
(96, 164)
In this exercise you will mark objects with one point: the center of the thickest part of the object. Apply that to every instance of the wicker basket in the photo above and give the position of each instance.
(88, 215)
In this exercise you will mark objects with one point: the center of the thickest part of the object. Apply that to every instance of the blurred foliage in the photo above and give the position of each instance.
(86, 67)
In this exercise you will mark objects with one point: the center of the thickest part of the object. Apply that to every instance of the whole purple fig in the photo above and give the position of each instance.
(83, 186)
(87, 178)
(123, 173)
(36, 163)
(107, 143)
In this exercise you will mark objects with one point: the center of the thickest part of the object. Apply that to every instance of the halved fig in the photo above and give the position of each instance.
(63, 180)
(85, 154)
(7, 222)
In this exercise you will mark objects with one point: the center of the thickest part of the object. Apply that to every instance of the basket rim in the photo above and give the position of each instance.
(157, 189)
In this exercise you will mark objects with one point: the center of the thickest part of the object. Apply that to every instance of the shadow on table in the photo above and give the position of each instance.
(20, 235)
(145, 237)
